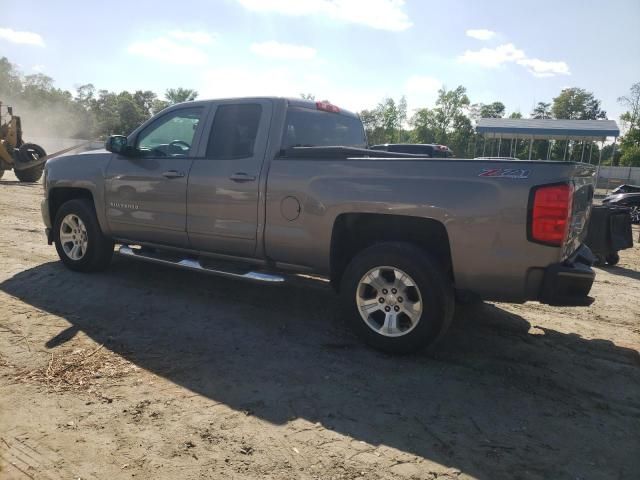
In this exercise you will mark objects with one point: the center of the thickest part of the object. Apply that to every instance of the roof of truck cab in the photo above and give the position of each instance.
(525, 128)
(296, 102)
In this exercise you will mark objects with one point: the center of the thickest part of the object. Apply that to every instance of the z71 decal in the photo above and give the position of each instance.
(505, 172)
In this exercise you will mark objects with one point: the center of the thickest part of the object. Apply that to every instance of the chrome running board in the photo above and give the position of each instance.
(195, 265)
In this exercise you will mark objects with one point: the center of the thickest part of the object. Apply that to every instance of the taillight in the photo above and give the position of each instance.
(550, 214)
(327, 107)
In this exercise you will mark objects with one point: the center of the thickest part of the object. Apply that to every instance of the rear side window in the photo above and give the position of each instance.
(234, 131)
(306, 127)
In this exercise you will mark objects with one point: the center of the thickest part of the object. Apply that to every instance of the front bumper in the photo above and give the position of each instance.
(568, 283)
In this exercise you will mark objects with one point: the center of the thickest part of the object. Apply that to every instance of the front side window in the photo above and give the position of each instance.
(172, 135)
(234, 131)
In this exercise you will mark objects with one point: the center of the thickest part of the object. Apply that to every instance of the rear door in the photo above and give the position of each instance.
(223, 191)
(146, 195)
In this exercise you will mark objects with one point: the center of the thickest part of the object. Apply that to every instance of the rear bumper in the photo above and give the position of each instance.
(569, 283)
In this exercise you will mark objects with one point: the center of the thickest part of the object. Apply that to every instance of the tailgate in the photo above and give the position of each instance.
(583, 180)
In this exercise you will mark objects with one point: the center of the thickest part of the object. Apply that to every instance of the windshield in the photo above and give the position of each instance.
(305, 127)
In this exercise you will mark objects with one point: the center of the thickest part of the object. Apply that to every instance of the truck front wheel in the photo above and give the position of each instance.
(80, 243)
(397, 297)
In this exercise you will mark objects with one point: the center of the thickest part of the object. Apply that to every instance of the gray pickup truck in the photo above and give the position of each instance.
(272, 189)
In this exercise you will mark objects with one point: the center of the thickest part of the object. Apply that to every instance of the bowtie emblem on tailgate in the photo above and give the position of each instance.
(505, 172)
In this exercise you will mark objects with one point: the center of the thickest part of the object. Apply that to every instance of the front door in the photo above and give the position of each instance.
(222, 198)
(146, 194)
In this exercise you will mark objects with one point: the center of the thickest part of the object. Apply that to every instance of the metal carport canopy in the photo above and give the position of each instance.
(547, 129)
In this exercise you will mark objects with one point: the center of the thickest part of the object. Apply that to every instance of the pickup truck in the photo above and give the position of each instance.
(273, 189)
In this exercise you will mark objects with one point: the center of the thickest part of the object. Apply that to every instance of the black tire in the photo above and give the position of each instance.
(613, 258)
(99, 247)
(433, 284)
(29, 152)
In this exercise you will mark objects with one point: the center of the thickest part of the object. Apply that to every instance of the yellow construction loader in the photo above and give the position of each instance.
(26, 159)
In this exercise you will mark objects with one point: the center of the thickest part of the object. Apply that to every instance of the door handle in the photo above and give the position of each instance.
(173, 174)
(242, 177)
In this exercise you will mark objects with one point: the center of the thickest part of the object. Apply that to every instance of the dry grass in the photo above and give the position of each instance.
(79, 369)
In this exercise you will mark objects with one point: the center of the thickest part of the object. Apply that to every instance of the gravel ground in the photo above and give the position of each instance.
(147, 372)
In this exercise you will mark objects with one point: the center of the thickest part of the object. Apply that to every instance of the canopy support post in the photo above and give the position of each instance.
(566, 147)
(530, 147)
(484, 144)
(599, 163)
(582, 156)
(549, 149)
(499, 145)
(613, 159)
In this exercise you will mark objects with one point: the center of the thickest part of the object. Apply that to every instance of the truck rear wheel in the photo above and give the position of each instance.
(397, 297)
(79, 240)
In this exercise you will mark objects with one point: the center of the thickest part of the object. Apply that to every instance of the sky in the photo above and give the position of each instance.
(351, 52)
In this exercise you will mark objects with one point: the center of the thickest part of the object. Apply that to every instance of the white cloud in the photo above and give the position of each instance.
(283, 51)
(27, 38)
(492, 57)
(542, 68)
(249, 80)
(167, 50)
(379, 14)
(508, 53)
(480, 34)
(422, 84)
(38, 68)
(200, 38)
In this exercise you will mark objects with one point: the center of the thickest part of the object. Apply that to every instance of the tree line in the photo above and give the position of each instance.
(86, 113)
(450, 123)
(91, 113)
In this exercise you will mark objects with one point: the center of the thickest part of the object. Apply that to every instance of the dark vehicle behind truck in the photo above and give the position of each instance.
(427, 149)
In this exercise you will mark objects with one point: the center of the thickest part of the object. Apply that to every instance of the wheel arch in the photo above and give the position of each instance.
(59, 195)
(353, 232)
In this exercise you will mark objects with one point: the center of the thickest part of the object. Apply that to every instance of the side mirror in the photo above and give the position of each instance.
(117, 144)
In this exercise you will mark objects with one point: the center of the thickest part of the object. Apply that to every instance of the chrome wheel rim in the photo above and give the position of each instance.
(389, 301)
(73, 237)
(635, 214)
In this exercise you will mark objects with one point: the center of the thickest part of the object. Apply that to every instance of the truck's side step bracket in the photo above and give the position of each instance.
(195, 264)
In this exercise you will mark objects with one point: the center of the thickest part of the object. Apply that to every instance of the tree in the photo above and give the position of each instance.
(10, 83)
(516, 115)
(491, 110)
(371, 122)
(424, 124)
(632, 102)
(630, 156)
(179, 95)
(449, 105)
(484, 110)
(541, 111)
(307, 96)
(384, 124)
(462, 136)
(577, 104)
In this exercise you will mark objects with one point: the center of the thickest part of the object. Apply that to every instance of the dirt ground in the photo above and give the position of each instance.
(153, 373)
